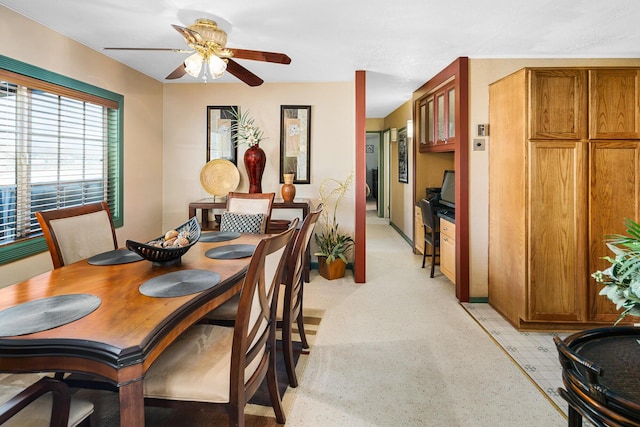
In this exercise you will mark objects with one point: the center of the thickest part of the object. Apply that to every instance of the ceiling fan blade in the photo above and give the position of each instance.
(243, 74)
(192, 37)
(177, 73)
(258, 55)
(161, 49)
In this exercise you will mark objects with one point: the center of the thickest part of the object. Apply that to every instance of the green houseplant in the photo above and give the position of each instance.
(333, 245)
(622, 279)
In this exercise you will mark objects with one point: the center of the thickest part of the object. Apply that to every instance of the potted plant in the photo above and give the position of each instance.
(622, 279)
(333, 245)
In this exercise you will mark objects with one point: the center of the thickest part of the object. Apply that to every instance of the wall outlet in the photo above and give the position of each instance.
(478, 144)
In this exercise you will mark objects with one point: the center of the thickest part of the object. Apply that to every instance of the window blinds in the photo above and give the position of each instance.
(58, 148)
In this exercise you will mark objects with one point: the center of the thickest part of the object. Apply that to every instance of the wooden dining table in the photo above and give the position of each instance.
(122, 338)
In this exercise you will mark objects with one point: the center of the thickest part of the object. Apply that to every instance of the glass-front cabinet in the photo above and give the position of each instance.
(437, 113)
(427, 121)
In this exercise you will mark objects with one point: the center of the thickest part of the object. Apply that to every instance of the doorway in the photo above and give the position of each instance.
(372, 156)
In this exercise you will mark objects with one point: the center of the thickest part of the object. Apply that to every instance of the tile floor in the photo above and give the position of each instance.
(534, 352)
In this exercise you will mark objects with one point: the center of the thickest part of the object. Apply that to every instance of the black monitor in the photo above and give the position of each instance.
(448, 192)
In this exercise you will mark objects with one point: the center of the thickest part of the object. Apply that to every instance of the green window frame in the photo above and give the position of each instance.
(90, 105)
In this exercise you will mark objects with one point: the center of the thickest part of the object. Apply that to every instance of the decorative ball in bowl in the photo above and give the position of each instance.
(169, 248)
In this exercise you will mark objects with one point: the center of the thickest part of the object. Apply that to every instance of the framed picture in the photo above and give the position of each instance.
(295, 142)
(220, 143)
(403, 156)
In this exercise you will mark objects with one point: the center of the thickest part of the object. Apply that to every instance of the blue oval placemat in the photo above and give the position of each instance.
(179, 283)
(115, 257)
(46, 313)
(231, 251)
(219, 236)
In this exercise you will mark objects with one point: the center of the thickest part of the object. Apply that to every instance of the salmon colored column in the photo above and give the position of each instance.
(360, 261)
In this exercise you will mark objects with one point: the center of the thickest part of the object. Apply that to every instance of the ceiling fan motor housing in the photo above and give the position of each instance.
(210, 32)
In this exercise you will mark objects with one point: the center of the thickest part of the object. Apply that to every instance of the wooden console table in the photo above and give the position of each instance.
(282, 213)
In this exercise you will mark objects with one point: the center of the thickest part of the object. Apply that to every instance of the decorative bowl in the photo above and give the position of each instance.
(167, 255)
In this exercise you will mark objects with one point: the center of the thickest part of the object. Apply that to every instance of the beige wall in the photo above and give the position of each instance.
(27, 41)
(401, 214)
(375, 125)
(332, 138)
(483, 72)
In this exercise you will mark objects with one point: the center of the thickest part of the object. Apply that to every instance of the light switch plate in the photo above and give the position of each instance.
(478, 144)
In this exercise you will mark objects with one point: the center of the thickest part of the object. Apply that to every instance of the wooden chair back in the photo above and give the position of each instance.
(254, 340)
(252, 203)
(77, 232)
(44, 402)
(290, 306)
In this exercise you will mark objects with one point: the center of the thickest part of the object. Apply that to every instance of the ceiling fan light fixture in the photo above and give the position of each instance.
(217, 66)
(193, 65)
(210, 32)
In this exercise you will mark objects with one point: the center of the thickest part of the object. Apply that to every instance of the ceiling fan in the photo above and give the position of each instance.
(211, 58)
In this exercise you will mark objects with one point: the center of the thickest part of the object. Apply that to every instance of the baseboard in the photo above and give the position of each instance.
(479, 299)
(404, 236)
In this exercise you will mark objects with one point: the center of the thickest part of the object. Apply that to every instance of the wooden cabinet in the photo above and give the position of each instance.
(437, 119)
(614, 195)
(615, 104)
(448, 249)
(418, 239)
(558, 103)
(556, 231)
(554, 193)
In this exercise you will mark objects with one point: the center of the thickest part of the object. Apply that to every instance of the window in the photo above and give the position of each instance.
(60, 145)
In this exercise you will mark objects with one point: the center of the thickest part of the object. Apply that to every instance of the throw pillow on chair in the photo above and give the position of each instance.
(241, 223)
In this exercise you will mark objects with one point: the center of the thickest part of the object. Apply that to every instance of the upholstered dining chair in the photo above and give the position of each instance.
(77, 232)
(247, 212)
(290, 297)
(219, 367)
(44, 402)
(291, 290)
(431, 233)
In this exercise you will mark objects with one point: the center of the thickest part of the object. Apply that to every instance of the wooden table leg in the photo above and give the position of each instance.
(132, 404)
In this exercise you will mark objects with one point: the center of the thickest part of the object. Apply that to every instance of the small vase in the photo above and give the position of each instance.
(288, 189)
(255, 160)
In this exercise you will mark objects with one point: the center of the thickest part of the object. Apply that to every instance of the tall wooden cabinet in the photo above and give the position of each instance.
(564, 171)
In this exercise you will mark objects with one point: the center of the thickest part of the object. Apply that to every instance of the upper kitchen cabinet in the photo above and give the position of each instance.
(437, 119)
(614, 101)
(558, 104)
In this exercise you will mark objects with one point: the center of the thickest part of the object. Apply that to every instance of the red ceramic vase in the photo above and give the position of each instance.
(254, 161)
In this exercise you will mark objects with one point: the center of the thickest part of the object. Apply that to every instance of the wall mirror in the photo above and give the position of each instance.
(220, 139)
(295, 142)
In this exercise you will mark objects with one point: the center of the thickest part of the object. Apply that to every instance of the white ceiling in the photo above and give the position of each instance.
(401, 44)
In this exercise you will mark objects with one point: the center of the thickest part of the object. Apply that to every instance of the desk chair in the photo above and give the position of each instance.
(218, 367)
(77, 232)
(44, 402)
(431, 233)
(243, 209)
